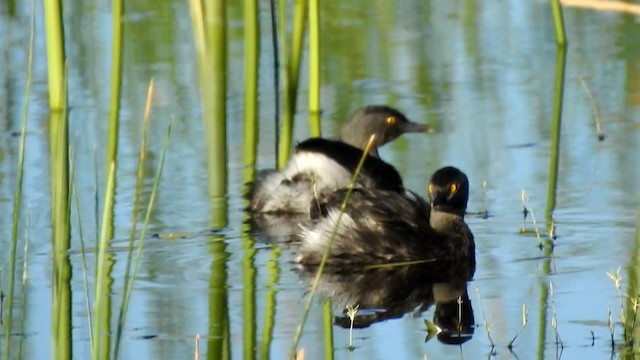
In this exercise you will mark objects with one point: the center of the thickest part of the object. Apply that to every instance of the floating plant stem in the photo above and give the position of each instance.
(487, 326)
(594, 108)
(325, 256)
(554, 318)
(522, 325)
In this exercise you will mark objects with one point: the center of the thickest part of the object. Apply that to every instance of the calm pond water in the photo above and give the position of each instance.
(481, 72)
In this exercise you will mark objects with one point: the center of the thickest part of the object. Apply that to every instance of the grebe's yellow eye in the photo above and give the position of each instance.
(391, 120)
(453, 188)
(430, 189)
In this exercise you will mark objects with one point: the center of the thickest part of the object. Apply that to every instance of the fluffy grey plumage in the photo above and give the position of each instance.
(381, 226)
(320, 166)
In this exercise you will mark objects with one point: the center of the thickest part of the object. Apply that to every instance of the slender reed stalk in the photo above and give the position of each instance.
(116, 80)
(56, 74)
(555, 135)
(276, 74)
(292, 74)
(522, 325)
(325, 256)
(327, 324)
(218, 342)
(273, 269)
(554, 318)
(248, 294)
(558, 23)
(130, 277)
(101, 267)
(17, 193)
(210, 33)
(251, 57)
(25, 267)
(314, 67)
(83, 258)
(594, 108)
(487, 326)
(142, 156)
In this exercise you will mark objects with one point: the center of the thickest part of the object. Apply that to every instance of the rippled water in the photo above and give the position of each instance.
(481, 72)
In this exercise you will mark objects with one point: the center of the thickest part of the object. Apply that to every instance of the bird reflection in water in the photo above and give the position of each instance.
(389, 293)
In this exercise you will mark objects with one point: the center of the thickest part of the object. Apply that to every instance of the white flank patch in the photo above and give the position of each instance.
(328, 172)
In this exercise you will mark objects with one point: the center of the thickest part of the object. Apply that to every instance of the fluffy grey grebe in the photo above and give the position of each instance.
(320, 166)
(381, 226)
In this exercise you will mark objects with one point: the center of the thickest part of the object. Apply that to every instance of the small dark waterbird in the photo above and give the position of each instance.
(383, 227)
(320, 166)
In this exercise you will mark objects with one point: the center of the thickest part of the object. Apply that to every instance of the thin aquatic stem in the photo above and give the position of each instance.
(17, 194)
(83, 258)
(291, 64)
(25, 267)
(56, 71)
(142, 156)
(273, 268)
(101, 262)
(314, 67)
(276, 72)
(558, 23)
(325, 256)
(251, 81)
(143, 233)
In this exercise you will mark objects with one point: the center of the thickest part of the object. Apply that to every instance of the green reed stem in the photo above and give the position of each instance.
(327, 324)
(218, 342)
(210, 33)
(128, 280)
(251, 57)
(554, 155)
(558, 23)
(54, 31)
(17, 193)
(314, 67)
(325, 256)
(273, 269)
(130, 277)
(61, 235)
(115, 89)
(101, 267)
(83, 258)
(291, 64)
(248, 294)
(276, 74)
(23, 304)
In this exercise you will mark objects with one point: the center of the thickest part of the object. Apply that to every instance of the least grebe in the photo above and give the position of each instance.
(381, 226)
(320, 165)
